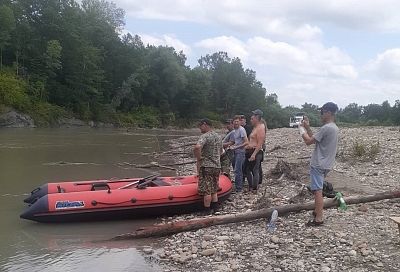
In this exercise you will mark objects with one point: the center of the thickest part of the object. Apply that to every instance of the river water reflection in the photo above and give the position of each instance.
(31, 157)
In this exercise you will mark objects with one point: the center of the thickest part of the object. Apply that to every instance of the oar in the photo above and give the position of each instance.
(137, 181)
(115, 181)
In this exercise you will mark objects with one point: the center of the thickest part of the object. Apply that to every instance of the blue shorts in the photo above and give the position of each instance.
(317, 177)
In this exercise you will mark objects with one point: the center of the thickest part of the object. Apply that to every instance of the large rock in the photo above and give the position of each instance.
(13, 119)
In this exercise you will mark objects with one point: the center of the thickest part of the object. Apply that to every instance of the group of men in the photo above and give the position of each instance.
(247, 143)
(212, 155)
(243, 148)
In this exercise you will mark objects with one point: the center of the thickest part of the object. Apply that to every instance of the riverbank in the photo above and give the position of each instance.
(360, 239)
(56, 117)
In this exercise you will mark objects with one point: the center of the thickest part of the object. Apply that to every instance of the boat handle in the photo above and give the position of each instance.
(99, 185)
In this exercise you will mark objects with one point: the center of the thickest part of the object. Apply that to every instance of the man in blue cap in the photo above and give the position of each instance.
(323, 157)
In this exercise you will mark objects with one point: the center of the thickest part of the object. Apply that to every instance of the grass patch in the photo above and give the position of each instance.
(364, 151)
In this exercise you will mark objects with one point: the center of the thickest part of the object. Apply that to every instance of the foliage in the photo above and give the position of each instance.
(145, 117)
(364, 151)
(45, 114)
(68, 56)
(13, 92)
(7, 25)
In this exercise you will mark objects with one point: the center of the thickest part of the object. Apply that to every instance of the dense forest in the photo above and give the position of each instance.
(61, 58)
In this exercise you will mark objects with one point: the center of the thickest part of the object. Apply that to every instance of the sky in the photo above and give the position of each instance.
(345, 51)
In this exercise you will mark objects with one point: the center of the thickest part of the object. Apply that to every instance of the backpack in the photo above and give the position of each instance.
(328, 190)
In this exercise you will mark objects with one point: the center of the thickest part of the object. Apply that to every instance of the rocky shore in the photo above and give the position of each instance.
(10, 118)
(363, 238)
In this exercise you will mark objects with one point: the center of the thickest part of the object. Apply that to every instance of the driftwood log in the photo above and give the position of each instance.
(195, 224)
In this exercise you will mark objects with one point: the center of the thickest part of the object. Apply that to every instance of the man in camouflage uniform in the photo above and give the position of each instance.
(207, 152)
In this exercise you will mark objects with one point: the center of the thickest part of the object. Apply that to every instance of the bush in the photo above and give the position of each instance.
(359, 149)
(372, 123)
(144, 117)
(363, 151)
(13, 92)
(45, 114)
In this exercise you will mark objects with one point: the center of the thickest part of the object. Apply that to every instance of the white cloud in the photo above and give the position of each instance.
(286, 45)
(342, 92)
(169, 40)
(232, 45)
(386, 65)
(311, 72)
(304, 59)
(294, 19)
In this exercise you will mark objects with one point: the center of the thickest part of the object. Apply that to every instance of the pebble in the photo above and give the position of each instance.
(325, 269)
(237, 237)
(365, 252)
(363, 208)
(275, 239)
(208, 252)
(351, 240)
(280, 254)
(194, 249)
(272, 246)
(353, 253)
(204, 244)
(184, 258)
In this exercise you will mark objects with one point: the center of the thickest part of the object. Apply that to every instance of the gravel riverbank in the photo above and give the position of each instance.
(363, 238)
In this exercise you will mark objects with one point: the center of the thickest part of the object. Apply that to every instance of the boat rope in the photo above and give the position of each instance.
(134, 200)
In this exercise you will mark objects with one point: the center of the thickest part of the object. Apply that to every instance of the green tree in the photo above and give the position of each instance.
(7, 25)
(351, 113)
(396, 113)
(192, 101)
(166, 80)
(52, 57)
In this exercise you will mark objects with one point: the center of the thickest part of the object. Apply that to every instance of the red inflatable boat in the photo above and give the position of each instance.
(117, 199)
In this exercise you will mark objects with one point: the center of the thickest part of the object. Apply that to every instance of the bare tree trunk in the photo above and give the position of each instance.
(195, 224)
(17, 62)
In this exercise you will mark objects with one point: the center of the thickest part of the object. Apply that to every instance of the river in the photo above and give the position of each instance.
(31, 157)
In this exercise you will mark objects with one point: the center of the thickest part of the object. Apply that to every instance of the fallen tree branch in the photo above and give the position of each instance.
(181, 163)
(156, 164)
(195, 224)
(184, 145)
(303, 158)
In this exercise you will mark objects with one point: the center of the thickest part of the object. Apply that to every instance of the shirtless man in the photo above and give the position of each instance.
(254, 152)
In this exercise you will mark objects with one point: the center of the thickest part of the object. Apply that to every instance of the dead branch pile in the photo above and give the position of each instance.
(292, 171)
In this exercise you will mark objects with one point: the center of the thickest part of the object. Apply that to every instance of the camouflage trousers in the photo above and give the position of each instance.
(208, 180)
(226, 165)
